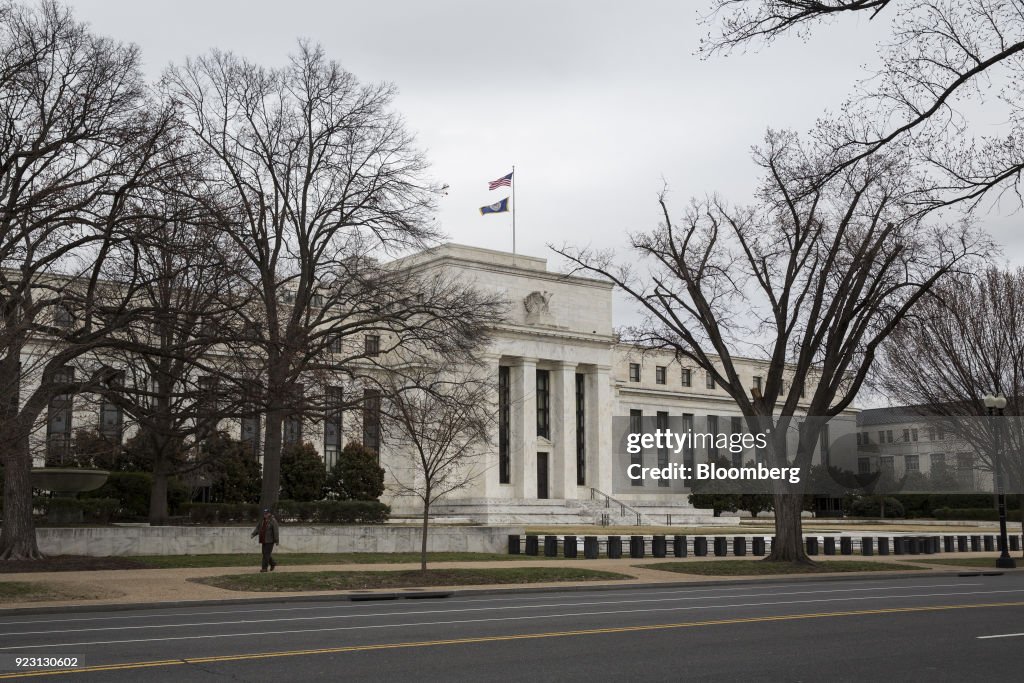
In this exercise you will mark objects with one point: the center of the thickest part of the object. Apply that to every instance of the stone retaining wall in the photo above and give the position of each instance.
(174, 540)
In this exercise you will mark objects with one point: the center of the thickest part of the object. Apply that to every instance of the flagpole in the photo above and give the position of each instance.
(513, 209)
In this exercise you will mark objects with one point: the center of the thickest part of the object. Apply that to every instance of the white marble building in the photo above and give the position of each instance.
(561, 378)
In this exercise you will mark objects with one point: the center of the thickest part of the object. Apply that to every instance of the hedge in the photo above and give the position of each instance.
(973, 514)
(96, 510)
(324, 511)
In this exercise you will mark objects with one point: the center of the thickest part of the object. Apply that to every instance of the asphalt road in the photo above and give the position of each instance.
(924, 628)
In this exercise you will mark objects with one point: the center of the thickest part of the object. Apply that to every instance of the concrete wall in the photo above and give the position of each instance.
(170, 540)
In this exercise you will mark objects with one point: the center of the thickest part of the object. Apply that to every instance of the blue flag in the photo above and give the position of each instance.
(496, 207)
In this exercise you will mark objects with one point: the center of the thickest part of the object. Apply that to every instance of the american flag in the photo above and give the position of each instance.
(504, 181)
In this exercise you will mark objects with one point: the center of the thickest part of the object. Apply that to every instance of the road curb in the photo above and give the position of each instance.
(463, 592)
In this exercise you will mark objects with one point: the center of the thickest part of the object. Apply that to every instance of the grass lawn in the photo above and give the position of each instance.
(983, 562)
(761, 568)
(31, 591)
(340, 581)
(285, 559)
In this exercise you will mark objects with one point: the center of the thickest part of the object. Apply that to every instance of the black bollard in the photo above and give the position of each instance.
(846, 545)
(867, 546)
(883, 545)
(975, 544)
(830, 545)
(551, 546)
(636, 547)
(933, 545)
(898, 547)
(569, 548)
(758, 546)
(614, 547)
(721, 546)
(915, 545)
(961, 544)
(812, 545)
(948, 544)
(590, 547)
(990, 543)
(739, 546)
(700, 546)
(513, 544)
(679, 546)
(658, 546)
(531, 545)
(1014, 542)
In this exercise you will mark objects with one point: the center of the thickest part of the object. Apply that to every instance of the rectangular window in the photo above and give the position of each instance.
(581, 431)
(823, 446)
(371, 420)
(292, 429)
(333, 426)
(881, 436)
(867, 438)
(687, 377)
(62, 316)
(504, 421)
(372, 345)
(713, 432)
(251, 430)
(688, 448)
(887, 465)
(888, 436)
(659, 375)
(58, 419)
(709, 380)
(931, 433)
(941, 433)
(111, 414)
(334, 344)
(662, 423)
(759, 383)
(859, 441)
(912, 463)
(636, 426)
(906, 436)
(634, 372)
(863, 465)
(938, 462)
(913, 435)
(544, 404)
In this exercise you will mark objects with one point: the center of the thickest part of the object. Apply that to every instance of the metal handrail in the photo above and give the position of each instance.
(608, 500)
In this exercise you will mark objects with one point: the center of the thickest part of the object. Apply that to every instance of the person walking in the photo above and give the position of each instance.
(270, 535)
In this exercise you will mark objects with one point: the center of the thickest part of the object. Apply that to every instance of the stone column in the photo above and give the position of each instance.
(563, 430)
(523, 427)
(598, 428)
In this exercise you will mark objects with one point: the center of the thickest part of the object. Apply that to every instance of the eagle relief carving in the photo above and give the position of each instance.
(536, 305)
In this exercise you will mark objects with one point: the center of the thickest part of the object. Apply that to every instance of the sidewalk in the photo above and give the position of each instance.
(171, 587)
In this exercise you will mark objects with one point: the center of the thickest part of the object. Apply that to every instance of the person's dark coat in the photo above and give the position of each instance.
(272, 534)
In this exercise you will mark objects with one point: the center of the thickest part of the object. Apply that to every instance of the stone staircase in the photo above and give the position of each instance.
(579, 512)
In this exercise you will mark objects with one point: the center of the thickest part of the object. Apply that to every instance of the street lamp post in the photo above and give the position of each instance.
(994, 405)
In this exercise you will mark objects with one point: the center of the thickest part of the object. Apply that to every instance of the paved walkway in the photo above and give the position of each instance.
(149, 586)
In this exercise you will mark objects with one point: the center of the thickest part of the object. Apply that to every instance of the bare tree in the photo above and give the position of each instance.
(823, 272)
(945, 62)
(964, 342)
(321, 179)
(77, 139)
(438, 427)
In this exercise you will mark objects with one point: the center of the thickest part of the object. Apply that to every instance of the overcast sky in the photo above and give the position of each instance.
(596, 103)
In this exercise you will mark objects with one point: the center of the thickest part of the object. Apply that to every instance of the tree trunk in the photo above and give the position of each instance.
(272, 459)
(789, 539)
(18, 537)
(423, 536)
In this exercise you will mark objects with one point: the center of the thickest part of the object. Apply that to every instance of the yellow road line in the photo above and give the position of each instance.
(493, 639)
